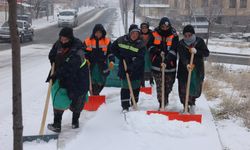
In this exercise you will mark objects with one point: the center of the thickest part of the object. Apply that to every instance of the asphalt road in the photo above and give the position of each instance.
(85, 26)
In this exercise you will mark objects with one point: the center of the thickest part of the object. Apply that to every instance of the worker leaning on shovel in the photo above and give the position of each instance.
(99, 57)
(163, 55)
(130, 50)
(70, 80)
(191, 44)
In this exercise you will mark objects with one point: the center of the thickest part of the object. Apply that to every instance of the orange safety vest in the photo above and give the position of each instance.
(158, 39)
(103, 44)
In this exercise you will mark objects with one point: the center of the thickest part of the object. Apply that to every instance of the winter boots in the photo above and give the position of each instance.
(56, 126)
(75, 120)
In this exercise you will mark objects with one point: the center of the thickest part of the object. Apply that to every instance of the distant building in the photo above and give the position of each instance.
(230, 11)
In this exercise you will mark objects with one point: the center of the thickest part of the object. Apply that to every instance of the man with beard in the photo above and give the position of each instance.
(70, 80)
(163, 55)
(191, 44)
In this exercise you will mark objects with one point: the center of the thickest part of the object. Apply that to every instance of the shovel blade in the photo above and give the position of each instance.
(94, 102)
(166, 113)
(45, 138)
(146, 90)
(186, 117)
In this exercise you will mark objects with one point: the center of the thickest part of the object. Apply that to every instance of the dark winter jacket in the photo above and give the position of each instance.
(133, 53)
(185, 55)
(164, 42)
(97, 51)
(148, 38)
(70, 68)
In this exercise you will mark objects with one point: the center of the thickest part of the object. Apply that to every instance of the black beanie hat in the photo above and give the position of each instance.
(165, 21)
(133, 28)
(144, 24)
(188, 28)
(67, 32)
(99, 27)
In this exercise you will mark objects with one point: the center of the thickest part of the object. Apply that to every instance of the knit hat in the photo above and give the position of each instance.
(188, 28)
(99, 27)
(165, 21)
(67, 32)
(133, 28)
(144, 24)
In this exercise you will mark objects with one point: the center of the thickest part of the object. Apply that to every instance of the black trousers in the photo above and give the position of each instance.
(126, 99)
(96, 89)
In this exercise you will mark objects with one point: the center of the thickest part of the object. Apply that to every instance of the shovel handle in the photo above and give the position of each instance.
(130, 86)
(162, 83)
(188, 84)
(45, 111)
(90, 83)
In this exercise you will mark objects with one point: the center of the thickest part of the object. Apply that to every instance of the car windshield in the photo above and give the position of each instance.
(67, 13)
(19, 24)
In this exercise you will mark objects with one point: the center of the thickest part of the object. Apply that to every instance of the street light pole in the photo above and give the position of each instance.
(134, 11)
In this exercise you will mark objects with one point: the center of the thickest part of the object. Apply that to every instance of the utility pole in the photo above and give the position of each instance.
(5, 9)
(16, 79)
(134, 11)
(126, 16)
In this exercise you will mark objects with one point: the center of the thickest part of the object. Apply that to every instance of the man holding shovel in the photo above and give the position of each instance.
(163, 58)
(130, 50)
(70, 78)
(194, 46)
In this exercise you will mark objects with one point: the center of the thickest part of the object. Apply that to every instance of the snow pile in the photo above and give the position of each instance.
(110, 130)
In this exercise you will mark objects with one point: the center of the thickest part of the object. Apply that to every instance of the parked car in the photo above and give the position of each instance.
(67, 17)
(25, 31)
(25, 18)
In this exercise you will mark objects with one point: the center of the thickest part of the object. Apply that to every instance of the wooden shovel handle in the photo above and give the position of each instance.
(90, 83)
(130, 86)
(188, 84)
(45, 111)
(162, 84)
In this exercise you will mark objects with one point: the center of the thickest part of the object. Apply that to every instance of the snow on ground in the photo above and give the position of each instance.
(229, 45)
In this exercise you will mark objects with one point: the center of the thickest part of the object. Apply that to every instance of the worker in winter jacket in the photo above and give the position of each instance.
(196, 45)
(147, 37)
(164, 44)
(100, 59)
(70, 79)
(131, 49)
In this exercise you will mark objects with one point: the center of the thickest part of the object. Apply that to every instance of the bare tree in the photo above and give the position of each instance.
(16, 78)
(212, 12)
(37, 6)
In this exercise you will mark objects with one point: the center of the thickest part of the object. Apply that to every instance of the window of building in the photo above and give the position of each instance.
(187, 4)
(232, 3)
(204, 3)
(243, 3)
(175, 3)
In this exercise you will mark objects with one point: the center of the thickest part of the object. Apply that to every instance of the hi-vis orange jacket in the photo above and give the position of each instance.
(98, 51)
(167, 44)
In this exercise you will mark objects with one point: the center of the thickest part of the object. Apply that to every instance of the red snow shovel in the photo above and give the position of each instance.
(130, 86)
(161, 111)
(146, 90)
(94, 101)
(186, 117)
(41, 136)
